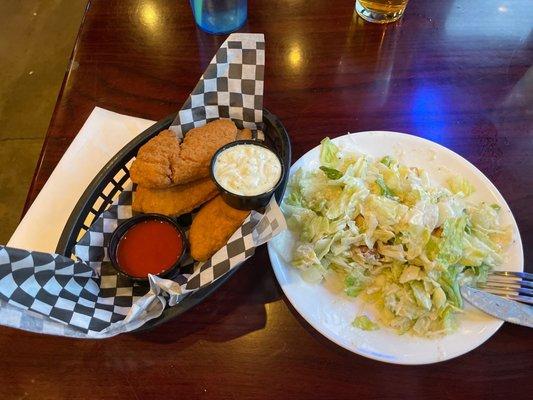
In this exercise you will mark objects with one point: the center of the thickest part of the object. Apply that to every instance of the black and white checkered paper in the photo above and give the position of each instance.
(231, 86)
(86, 297)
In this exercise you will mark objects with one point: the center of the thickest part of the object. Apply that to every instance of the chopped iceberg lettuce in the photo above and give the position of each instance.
(364, 323)
(459, 185)
(392, 237)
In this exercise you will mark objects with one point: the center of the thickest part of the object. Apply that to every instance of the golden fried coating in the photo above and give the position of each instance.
(163, 162)
(152, 167)
(244, 134)
(201, 143)
(176, 200)
(185, 171)
(212, 227)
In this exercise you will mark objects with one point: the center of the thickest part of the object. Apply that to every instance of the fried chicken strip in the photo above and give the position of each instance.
(153, 166)
(176, 200)
(244, 134)
(164, 162)
(212, 227)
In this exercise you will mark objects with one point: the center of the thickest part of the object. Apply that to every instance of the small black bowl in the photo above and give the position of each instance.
(126, 225)
(242, 202)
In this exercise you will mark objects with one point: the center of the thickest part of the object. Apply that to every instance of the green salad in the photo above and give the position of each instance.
(394, 238)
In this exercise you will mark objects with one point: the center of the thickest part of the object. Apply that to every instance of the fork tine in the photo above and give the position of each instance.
(523, 275)
(506, 289)
(522, 299)
(509, 281)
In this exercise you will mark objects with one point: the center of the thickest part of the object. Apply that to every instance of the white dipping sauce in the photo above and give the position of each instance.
(247, 169)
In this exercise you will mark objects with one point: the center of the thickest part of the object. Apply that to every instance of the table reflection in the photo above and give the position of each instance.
(428, 107)
(149, 15)
(295, 56)
(370, 50)
(505, 19)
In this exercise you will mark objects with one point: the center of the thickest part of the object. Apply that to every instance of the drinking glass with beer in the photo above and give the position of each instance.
(380, 11)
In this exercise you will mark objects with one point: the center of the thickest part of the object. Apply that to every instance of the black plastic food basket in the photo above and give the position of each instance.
(110, 181)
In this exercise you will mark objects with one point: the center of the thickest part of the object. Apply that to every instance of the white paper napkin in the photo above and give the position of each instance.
(101, 137)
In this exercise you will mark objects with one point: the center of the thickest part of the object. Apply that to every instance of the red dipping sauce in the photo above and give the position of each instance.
(149, 247)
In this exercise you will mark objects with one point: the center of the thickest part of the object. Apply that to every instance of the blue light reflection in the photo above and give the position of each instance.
(428, 113)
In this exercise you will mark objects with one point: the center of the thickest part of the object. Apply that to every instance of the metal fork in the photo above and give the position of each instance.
(511, 285)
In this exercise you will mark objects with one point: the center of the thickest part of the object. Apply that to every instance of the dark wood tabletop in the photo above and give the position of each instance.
(457, 72)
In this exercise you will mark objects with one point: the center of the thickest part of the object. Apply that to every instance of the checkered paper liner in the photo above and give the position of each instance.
(87, 298)
(231, 87)
(88, 293)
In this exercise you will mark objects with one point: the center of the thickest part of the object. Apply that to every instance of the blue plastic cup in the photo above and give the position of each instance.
(219, 16)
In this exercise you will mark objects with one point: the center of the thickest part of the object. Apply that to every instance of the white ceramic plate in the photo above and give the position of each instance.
(331, 312)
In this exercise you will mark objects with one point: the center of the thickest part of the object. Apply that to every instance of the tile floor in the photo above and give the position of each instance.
(36, 39)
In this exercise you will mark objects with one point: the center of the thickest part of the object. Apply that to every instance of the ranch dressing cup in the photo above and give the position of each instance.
(246, 173)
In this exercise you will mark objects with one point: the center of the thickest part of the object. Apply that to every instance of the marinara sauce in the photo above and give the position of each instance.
(149, 247)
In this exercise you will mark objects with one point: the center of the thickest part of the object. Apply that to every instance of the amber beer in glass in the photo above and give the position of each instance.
(380, 11)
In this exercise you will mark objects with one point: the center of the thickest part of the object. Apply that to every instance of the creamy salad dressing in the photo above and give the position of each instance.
(247, 169)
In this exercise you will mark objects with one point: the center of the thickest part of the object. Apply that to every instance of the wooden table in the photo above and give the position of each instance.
(456, 72)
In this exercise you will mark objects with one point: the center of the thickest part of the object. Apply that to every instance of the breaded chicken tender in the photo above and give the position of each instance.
(152, 167)
(244, 134)
(212, 227)
(176, 200)
(163, 162)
